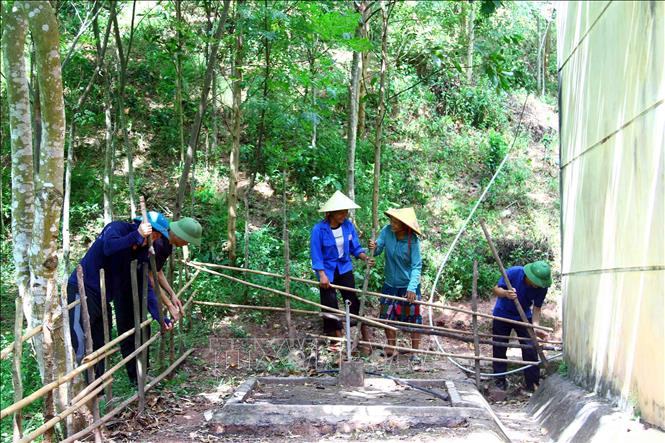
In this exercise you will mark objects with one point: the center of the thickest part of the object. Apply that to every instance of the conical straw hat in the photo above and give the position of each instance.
(338, 202)
(406, 216)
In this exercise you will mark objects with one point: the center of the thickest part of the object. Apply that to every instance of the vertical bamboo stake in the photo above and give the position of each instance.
(144, 331)
(518, 306)
(474, 307)
(137, 336)
(85, 316)
(16, 367)
(107, 333)
(287, 262)
(156, 287)
(69, 351)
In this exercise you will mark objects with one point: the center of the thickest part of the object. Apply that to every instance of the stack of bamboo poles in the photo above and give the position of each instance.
(474, 336)
(89, 396)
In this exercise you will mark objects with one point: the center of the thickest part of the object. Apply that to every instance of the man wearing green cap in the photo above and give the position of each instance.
(530, 285)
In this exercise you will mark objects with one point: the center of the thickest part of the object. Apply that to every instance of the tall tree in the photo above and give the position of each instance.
(352, 129)
(178, 79)
(234, 158)
(71, 140)
(470, 34)
(365, 60)
(196, 125)
(36, 201)
(123, 59)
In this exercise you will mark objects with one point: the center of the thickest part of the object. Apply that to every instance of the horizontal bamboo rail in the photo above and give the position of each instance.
(47, 388)
(404, 326)
(27, 335)
(423, 351)
(64, 414)
(121, 407)
(295, 297)
(202, 266)
(114, 342)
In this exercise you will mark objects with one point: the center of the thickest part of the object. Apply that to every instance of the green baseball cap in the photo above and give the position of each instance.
(187, 229)
(539, 273)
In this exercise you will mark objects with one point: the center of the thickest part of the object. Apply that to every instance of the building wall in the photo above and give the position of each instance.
(611, 58)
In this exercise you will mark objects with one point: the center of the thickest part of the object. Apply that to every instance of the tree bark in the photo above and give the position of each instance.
(196, 125)
(470, 41)
(36, 113)
(178, 84)
(234, 159)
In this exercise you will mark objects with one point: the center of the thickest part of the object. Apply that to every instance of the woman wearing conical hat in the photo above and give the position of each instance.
(403, 265)
(333, 241)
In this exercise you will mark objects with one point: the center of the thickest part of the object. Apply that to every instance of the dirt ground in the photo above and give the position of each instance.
(181, 411)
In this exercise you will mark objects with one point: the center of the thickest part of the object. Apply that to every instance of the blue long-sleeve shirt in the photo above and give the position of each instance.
(403, 260)
(113, 251)
(527, 295)
(324, 253)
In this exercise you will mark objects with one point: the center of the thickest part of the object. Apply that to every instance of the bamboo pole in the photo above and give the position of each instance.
(295, 297)
(119, 365)
(287, 263)
(403, 326)
(107, 333)
(474, 308)
(136, 307)
(85, 316)
(199, 265)
(27, 335)
(530, 328)
(39, 393)
(64, 414)
(17, 382)
(423, 351)
(112, 343)
(145, 331)
(69, 350)
(122, 406)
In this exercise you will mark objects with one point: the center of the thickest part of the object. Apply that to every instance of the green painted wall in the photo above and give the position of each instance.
(611, 58)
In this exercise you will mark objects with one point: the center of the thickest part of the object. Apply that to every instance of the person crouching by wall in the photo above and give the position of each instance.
(333, 241)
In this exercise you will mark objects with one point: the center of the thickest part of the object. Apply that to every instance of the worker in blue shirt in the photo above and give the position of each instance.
(118, 244)
(178, 233)
(530, 285)
(332, 243)
(403, 267)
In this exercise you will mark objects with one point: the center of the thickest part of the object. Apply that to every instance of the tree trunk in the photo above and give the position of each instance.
(539, 55)
(71, 140)
(196, 125)
(108, 127)
(365, 59)
(36, 113)
(312, 71)
(352, 130)
(123, 58)
(545, 57)
(470, 41)
(234, 159)
(178, 84)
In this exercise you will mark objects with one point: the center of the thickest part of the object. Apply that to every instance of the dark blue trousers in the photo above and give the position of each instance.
(532, 373)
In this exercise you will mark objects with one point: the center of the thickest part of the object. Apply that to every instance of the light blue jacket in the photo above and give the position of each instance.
(323, 249)
(403, 261)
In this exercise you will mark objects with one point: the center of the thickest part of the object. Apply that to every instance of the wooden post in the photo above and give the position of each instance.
(137, 336)
(518, 306)
(474, 308)
(156, 287)
(107, 333)
(287, 263)
(16, 367)
(85, 316)
(69, 350)
(145, 330)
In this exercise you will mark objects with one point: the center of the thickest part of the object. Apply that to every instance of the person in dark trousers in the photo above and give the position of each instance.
(179, 233)
(113, 250)
(530, 285)
(332, 243)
